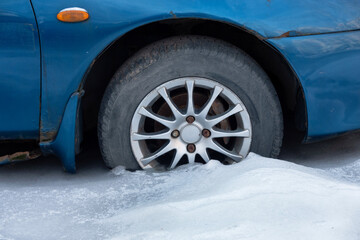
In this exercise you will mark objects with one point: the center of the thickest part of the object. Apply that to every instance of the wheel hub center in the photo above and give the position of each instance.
(190, 134)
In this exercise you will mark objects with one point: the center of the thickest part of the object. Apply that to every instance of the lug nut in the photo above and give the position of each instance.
(190, 148)
(206, 133)
(175, 133)
(190, 119)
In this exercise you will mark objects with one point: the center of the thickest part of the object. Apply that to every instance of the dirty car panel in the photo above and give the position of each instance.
(19, 71)
(71, 48)
(328, 66)
(41, 93)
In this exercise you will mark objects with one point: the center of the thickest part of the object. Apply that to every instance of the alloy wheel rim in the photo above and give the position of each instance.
(191, 132)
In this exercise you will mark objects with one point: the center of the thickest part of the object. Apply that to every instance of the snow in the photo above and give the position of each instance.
(260, 198)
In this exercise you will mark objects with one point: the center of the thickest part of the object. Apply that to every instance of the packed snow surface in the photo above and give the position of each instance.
(260, 198)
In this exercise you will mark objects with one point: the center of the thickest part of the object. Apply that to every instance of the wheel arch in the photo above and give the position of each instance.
(283, 77)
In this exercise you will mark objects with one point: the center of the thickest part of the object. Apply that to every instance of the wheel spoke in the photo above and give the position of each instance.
(149, 136)
(184, 129)
(236, 133)
(190, 90)
(217, 90)
(166, 148)
(204, 155)
(163, 92)
(216, 119)
(216, 147)
(176, 159)
(167, 123)
(191, 157)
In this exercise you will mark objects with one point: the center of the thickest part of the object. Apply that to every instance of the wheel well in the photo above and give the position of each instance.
(276, 66)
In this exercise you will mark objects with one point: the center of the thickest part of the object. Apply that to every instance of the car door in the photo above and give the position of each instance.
(19, 71)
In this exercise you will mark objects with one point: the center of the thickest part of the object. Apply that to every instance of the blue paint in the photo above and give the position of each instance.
(69, 49)
(5, 161)
(329, 69)
(327, 65)
(64, 145)
(19, 71)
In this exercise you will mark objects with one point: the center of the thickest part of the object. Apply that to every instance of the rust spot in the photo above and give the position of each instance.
(191, 148)
(190, 119)
(253, 32)
(20, 156)
(47, 136)
(296, 34)
(173, 14)
(284, 35)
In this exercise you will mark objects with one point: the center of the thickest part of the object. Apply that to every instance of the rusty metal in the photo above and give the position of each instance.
(206, 133)
(175, 133)
(190, 119)
(47, 135)
(301, 34)
(173, 14)
(20, 156)
(284, 35)
(180, 100)
(191, 148)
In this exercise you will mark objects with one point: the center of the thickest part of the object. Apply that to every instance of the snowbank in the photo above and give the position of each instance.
(259, 198)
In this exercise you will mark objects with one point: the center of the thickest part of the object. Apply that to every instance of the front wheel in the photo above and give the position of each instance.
(188, 99)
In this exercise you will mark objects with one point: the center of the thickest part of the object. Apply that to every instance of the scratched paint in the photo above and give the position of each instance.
(65, 49)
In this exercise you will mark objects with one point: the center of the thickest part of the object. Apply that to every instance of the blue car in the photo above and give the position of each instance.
(167, 83)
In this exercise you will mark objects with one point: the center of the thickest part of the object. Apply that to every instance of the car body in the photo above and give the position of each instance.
(47, 65)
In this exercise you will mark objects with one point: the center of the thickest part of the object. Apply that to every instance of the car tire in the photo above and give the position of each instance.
(181, 57)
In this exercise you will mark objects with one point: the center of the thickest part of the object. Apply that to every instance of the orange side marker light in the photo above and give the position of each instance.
(73, 14)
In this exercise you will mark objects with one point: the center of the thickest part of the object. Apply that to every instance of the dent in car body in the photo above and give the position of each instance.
(69, 49)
